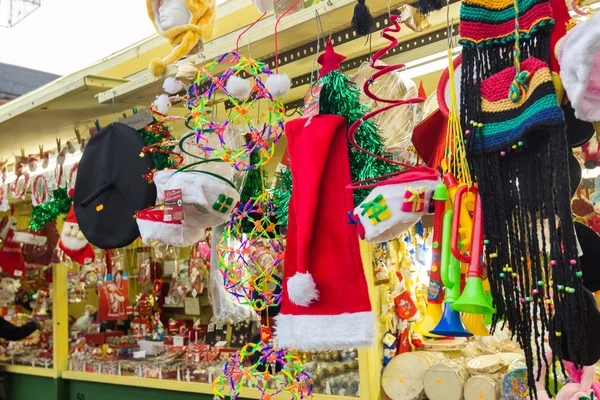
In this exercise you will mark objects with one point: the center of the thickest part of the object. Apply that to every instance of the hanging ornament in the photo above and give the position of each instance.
(236, 375)
(251, 278)
(39, 183)
(362, 21)
(263, 138)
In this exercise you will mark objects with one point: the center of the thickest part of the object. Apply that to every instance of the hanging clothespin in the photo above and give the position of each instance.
(82, 142)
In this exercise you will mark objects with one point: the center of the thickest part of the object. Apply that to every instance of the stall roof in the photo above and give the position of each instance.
(17, 81)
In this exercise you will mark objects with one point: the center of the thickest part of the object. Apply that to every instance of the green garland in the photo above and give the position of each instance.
(282, 194)
(340, 96)
(253, 188)
(50, 210)
(161, 160)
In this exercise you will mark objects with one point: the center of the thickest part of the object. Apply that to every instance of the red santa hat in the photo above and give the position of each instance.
(325, 301)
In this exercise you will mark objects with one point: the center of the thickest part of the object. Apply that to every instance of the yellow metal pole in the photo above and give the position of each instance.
(60, 319)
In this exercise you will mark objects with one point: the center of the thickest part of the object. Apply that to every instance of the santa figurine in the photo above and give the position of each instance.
(73, 243)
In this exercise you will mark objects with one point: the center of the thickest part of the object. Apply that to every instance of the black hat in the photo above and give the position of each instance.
(578, 131)
(589, 241)
(592, 326)
(110, 187)
(574, 174)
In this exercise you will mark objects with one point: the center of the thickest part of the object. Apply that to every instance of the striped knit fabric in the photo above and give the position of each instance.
(506, 122)
(492, 22)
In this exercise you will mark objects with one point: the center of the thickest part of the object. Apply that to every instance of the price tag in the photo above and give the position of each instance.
(139, 120)
(312, 101)
(173, 206)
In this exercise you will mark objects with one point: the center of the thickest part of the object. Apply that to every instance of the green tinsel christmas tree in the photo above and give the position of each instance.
(253, 187)
(340, 96)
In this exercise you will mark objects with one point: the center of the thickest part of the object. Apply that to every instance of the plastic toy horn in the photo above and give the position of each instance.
(450, 324)
(473, 299)
(433, 313)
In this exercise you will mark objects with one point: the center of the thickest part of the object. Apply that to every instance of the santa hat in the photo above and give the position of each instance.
(183, 38)
(208, 200)
(175, 233)
(325, 302)
(579, 58)
(396, 204)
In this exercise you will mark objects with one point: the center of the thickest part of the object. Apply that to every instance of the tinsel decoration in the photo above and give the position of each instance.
(51, 210)
(282, 195)
(253, 188)
(155, 136)
(362, 21)
(340, 96)
(427, 6)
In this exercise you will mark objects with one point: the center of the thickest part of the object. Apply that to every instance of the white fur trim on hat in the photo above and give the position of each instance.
(180, 235)
(238, 88)
(302, 289)
(199, 193)
(579, 56)
(325, 332)
(278, 85)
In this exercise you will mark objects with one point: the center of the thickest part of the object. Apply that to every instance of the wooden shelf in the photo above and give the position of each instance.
(179, 386)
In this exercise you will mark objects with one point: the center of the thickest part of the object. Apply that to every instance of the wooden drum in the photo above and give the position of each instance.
(402, 379)
(484, 387)
(445, 381)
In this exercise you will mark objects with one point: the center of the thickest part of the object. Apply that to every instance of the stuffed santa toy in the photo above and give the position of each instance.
(12, 261)
(73, 243)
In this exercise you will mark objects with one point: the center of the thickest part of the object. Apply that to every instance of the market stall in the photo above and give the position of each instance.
(310, 205)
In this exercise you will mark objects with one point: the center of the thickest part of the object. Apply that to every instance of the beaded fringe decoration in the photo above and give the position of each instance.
(518, 154)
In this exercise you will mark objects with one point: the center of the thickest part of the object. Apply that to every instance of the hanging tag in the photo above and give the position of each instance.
(312, 101)
(139, 120)
(173, 211)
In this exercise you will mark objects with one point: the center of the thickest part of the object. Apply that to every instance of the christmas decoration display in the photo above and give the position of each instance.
(325, 299)
(246, 275)
(517, 151)
(291, 378)
(154, 135)
(11, 256)
(183, 23)
(73, 243)
(263, 139)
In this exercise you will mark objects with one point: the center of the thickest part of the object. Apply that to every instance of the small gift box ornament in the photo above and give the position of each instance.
(414, 200)
(376, 210)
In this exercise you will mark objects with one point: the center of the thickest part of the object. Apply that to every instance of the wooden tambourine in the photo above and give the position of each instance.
(492, 363)
(484, 387)
(403, 377)
(444, 345)
(445, 381)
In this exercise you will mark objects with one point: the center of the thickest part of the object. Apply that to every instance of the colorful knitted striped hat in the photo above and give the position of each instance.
(518, 154)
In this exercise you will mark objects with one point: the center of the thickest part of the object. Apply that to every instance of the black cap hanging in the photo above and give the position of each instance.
(110, 187)
(362, 21)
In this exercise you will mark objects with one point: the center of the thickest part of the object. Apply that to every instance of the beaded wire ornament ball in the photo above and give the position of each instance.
(237, 374)
(263, 136)
(252, 279)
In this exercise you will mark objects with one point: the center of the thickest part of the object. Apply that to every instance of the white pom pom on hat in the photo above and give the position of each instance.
(238, 88)
(278, 85)
(302, 289)
(173, 86)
